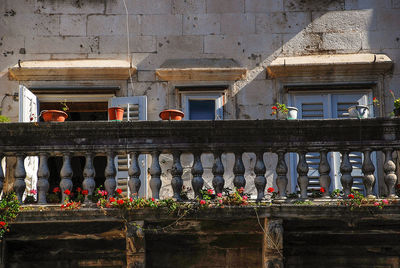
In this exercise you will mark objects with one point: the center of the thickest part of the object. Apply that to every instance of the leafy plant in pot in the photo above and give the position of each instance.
(396, 102)
(361, 111)
(55, 115)
(281, 111)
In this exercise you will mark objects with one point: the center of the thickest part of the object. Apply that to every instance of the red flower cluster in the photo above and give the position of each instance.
(2, 224)
(120, 201)
(322, 190)
(112, 199)
(67, 192)
(78, 189)
(56, 190)
(102, 192)
(85, 192)
(210, 191)
(202, 202)
(270, 190)
(351, 196)
(240, 190)
(119, 191)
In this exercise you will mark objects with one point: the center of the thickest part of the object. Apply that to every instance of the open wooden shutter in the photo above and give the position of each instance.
(28, 112)
(135, 109)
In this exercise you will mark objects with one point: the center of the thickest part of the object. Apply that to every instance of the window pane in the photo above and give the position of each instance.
(201, 109)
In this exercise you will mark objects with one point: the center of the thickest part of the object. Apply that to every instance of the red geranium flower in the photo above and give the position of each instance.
(245, 197)
(78, 189)
(210, 191)
(351, 196)
(270, 190)
(274, 108)
(85, 192)
(202, 202)
(112, 199)
(120, 201)
(322, 190)
(2, 224)
(56, 190)
(152, 199)
(119, 191)
(67, 192)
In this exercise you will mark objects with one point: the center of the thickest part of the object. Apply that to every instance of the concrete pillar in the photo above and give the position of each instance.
(273, 244)
(135, 245)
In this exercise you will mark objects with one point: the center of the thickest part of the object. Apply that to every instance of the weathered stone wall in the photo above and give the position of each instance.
(252, 32)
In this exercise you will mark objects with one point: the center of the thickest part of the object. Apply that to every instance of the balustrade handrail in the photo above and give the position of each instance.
(197, 137)
(205, 136)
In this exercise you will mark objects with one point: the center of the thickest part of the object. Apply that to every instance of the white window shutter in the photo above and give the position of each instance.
(327, 105)
(135, 109)
(28, 112)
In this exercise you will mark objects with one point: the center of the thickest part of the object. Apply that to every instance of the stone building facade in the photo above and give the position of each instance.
(250, 53)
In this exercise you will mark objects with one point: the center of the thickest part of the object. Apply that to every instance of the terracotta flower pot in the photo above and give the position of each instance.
(54, 116)
(171, 115)
(115, 114)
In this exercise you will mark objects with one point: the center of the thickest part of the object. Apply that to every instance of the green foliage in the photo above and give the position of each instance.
(9, 208)
(4, 119)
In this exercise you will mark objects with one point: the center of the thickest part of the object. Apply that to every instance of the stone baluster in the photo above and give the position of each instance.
(238, 169)
(281, 179)
(66, 177)
(176, 173)
(155, 172)
(89, 173)
(302, 170)
(368, 170)
(43, 178)
(110, 184)
(345, 169)
(390, 177)
(20, 174)
(1, 174)
(197, 172)
(134, 182)
(218, 170)
(260, 181)
(324, 177)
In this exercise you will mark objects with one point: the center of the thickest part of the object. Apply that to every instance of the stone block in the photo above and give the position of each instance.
(139, 7)
(206, 24)
(161, 25)
(349, 42)
(263, 42)
(73, 25)
(116, 25)
(380, 40)
(344, 21)
(118, 44)
(56, 44)
(261, 6)
(188, 6)
(238, 24)
(388, 20)
(313, 5)
(257, 93)
(225, 6)
(394, 55)
(224, 44)
(367, 4)
(18, 7)
(177, 45)
(69, 7)
(31, 25)
(146, 76)
(301, 43)
(282, 22)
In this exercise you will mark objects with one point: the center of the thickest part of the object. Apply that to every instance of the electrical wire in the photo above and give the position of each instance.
(129, 49)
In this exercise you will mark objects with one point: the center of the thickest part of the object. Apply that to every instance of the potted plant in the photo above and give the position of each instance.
(361, 111)
(55, 115)
(115, 113)
(396, 102)
(171, 114)
(281, 111)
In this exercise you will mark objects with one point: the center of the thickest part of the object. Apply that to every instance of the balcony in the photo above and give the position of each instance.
(289, 225)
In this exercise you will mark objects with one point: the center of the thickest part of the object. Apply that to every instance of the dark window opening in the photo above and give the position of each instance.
(201, 109)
